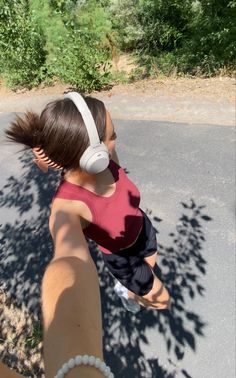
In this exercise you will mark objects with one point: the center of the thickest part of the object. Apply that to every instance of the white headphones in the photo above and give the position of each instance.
(96, 157)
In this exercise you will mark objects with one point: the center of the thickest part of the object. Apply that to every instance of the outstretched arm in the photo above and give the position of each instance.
(70, 300)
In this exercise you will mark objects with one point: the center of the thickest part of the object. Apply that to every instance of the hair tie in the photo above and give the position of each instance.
(43, 161)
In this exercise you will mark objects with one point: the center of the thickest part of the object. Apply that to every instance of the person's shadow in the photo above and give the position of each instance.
(26, 249)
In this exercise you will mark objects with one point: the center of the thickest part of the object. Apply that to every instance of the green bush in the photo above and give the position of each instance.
(53, 40)
(79, 63)
(176, 36)
(22, 44)
(212, 45)
(127, 30)
(165, 24)
(77, 50)
(74, 41)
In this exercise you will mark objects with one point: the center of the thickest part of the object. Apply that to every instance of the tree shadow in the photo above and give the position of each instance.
(26, 249)
(182, 266)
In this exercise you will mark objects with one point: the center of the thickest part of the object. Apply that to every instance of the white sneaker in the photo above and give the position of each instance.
(129, 303)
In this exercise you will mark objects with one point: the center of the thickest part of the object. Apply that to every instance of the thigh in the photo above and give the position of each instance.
(151, 260)
(132, 272)
(158, 296)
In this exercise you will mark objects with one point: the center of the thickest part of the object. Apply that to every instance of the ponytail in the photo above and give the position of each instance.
(58, 137)
(26, 130)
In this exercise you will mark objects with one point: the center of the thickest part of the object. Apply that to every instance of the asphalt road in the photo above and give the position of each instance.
(185, 173)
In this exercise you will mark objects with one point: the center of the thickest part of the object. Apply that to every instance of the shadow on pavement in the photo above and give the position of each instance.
(26, 249)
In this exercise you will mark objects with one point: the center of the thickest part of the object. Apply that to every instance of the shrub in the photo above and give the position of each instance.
(127, 30)
(79, 63)
(191, 37)
(165, 23)
(22, 44)
(77, 53)
(212, 45)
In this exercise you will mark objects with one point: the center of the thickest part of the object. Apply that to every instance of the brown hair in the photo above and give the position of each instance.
(59, 130)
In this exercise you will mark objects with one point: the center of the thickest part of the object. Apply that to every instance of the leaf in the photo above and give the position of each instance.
(206, 218)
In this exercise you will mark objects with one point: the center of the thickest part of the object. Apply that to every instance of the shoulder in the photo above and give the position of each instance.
(67, 205)
(75, 212)
(64, 210)
(67, 233)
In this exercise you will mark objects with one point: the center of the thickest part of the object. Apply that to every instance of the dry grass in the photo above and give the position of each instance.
(20, 339)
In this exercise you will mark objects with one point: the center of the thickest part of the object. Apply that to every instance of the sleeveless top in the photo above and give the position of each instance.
(117, 219)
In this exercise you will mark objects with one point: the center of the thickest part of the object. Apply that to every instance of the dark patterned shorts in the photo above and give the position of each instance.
(128, 265)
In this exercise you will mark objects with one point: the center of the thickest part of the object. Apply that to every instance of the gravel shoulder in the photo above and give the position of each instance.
(187, 100)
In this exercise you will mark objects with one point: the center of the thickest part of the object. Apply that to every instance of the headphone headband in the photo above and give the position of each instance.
(87, 117)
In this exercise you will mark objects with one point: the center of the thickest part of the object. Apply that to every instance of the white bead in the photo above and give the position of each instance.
(85, 359)
(107, 371)
(91, 360)
(60, 374)
(97, 363)
(65, 368)
(103, 367)
(78, 360)
(71, 363)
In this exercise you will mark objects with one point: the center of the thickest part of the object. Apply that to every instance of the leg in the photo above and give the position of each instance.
(158, 290)
(143, 286)
(151, 260)
(157, 298)
(157, 295)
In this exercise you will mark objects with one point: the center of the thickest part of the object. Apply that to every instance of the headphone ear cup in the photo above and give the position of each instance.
(95, 159)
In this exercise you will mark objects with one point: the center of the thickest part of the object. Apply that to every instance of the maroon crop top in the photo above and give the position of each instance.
(117, 219)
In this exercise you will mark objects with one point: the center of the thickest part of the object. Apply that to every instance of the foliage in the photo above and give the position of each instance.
(126, 27)
(36, 335)
(66, 50)
(76, 51)
(172, 36)
(74, 40)
(64, 6)
(212, 45)
(165, 23)
(22, 44)
(94, 20)
(79, 63)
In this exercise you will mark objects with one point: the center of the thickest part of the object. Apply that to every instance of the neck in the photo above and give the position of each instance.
(86, 179)
(79, 176)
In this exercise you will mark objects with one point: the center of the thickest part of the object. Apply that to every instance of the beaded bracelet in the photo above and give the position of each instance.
(85, 360)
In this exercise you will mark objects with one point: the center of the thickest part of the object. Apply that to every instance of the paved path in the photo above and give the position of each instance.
(185, 173)
(158, 106)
